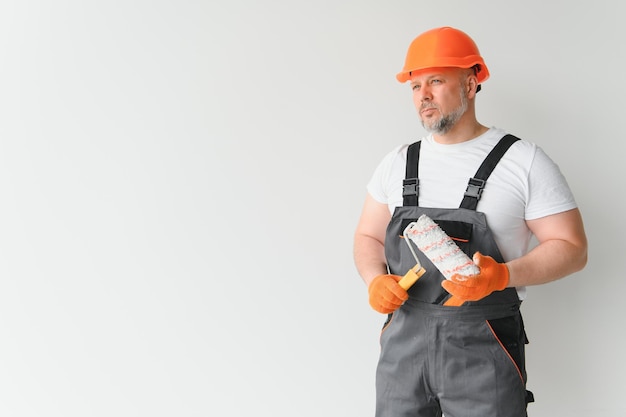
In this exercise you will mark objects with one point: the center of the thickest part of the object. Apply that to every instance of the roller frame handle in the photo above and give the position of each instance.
(414, 274)
(411, 277)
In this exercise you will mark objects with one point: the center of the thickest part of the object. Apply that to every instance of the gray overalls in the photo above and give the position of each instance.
(465, 361)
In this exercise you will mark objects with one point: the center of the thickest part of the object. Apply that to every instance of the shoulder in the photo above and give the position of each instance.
(387, 178)
(522, 152)
(394, 159)
(531, 156)
(547, 190)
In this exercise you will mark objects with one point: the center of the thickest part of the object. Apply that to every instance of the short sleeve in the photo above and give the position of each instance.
(549, 192)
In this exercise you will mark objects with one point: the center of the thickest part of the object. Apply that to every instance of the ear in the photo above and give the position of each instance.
(471, 85)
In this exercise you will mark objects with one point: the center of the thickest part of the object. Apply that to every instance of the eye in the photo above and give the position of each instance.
(435, 81)
(415, 87)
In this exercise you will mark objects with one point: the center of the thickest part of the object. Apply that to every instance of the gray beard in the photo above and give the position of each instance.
(447, 121)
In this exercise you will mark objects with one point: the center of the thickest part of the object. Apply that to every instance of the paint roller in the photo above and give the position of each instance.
(440, 249)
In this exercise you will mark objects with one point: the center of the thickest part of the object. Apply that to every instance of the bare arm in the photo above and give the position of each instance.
(369, 240)
(562, 250)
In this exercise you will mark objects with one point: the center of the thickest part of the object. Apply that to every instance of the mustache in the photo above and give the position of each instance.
(428, 106)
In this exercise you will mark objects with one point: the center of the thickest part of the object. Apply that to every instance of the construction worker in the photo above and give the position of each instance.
(491, 192)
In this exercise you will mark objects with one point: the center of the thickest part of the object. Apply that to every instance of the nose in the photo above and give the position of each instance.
(422, 94)
(422, 97)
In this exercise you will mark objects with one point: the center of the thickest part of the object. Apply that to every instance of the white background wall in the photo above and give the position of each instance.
(180, 181)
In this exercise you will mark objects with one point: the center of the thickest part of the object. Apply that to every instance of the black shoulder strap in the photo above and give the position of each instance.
(477, 183)
(410, 185)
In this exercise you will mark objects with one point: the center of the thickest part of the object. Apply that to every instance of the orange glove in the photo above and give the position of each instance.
(385, 293)
(493, 276)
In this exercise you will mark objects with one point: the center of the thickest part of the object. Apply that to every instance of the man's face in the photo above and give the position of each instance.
(439, 98)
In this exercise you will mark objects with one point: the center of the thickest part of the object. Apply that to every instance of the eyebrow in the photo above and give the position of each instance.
(430, 77)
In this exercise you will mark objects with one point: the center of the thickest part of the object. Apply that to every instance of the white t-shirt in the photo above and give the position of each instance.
(525, 185)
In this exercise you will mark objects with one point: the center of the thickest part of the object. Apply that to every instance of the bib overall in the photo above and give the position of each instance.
(465, 361)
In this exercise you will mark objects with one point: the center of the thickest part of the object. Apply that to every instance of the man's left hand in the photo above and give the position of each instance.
(493, 276)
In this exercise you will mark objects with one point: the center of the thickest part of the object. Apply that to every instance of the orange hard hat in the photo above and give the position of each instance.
(443, 47)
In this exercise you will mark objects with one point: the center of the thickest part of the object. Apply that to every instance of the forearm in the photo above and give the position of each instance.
(369, 240)
(549, 261)
(369, 257)
(562, 250)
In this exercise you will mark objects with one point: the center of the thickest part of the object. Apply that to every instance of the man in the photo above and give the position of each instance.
(464, 360)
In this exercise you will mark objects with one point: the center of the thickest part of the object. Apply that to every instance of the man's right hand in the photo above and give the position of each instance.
(385, 293)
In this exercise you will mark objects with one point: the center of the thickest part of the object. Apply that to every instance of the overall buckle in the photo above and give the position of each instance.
(475, 188)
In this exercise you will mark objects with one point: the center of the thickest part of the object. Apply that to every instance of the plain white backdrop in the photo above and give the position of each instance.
(180, 182)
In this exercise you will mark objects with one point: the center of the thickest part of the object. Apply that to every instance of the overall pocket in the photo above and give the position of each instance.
(510, 333)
